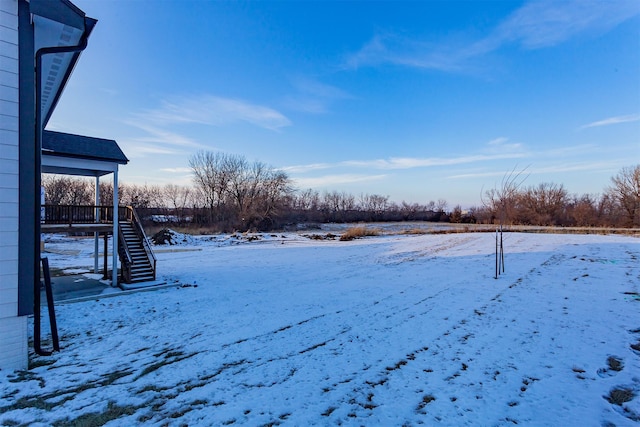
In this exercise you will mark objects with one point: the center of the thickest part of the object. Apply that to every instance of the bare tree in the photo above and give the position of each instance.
(408, 210)
(626, 192)
(308, 199)
(431, 206)
(274, 190)
(347, 202)
(374, 204)
(237, 193)
(177, 198)
(141, 196)
(542, 205)
(456, 214)
(65, 190)
(211, 176)
(583, 211)
(501, 200)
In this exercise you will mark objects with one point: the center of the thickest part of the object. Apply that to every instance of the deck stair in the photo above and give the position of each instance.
(136, 256)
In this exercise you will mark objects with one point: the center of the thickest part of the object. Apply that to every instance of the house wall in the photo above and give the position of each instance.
(13, 328)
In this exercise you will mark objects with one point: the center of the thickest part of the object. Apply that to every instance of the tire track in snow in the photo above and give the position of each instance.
(454, 353)
(317, 340)
(362, 398)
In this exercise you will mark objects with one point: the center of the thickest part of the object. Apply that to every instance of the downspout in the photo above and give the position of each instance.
(38, 182)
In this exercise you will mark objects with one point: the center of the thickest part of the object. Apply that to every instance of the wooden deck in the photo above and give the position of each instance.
(77, 228)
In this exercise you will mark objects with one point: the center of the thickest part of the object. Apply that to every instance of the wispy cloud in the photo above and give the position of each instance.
(400, 50)
(613, 121)
(417, 162)
(313, 96)
(397, 163)
(135, 149)
(502, 145)
(545, 170)
(329, 180)
(545, 23)
(216, 111)
(158, 135)
(162, 126)
(176, 170)
(307, 168)
(537, 24)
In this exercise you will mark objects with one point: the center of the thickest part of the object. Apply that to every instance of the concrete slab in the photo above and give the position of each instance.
(82, 287)
(76, 286)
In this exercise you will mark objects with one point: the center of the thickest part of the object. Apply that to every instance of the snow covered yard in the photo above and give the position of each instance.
(391, 330)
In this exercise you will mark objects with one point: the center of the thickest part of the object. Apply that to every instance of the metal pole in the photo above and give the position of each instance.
(497, 268)
(501, 251)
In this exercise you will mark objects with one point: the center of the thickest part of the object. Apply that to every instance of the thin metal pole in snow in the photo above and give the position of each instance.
(497, 258)
(501, 250)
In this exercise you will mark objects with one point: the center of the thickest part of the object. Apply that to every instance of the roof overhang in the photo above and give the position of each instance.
(69, 154)
(72, 166)
(57, 24)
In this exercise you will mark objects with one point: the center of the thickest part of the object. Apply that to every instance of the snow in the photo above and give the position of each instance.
(388, 330)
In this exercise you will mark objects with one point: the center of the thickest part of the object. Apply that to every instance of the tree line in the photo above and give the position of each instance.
(551, 204)
(230, 193)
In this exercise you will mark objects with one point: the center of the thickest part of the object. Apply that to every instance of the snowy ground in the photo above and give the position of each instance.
(390, 330)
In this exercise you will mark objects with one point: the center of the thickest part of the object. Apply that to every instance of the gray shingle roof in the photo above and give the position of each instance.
(82, 147)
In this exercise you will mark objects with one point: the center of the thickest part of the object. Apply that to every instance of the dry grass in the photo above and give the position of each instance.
(620, 395)
(358, 233)
(412, 231)
(615, 364)
(112, 412)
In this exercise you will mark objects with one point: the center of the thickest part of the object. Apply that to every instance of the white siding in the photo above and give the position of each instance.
(13, 329)
(13, 347)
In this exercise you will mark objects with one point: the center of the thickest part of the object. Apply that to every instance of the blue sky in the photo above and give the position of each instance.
(418, 101)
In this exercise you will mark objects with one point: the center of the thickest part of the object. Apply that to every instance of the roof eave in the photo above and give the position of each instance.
(90, 23)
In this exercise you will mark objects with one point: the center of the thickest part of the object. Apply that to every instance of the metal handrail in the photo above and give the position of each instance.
(145, 241)
(125, 256)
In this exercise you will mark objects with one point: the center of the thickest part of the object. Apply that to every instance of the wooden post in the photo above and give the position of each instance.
(96, 235)
(106, 256)
(114, 266)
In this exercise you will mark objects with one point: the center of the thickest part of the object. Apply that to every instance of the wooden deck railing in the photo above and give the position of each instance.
(64, 215)
(67, 214)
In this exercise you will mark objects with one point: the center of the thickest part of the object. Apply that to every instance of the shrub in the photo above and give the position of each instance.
(357, 233)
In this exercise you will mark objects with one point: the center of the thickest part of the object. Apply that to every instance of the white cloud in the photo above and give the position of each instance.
(135, 149)
(498, 141)
(545, 23)
(329, 180)
(416, 162)
(216, 111)
(159, 135)
(176, 170)
(613, 121)
(576, 167)
(535, 25)
(313, 96)
(545, 170)
(158, 124)
(307, 168)
(397, 163)
(502, 146)
(398, 50)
